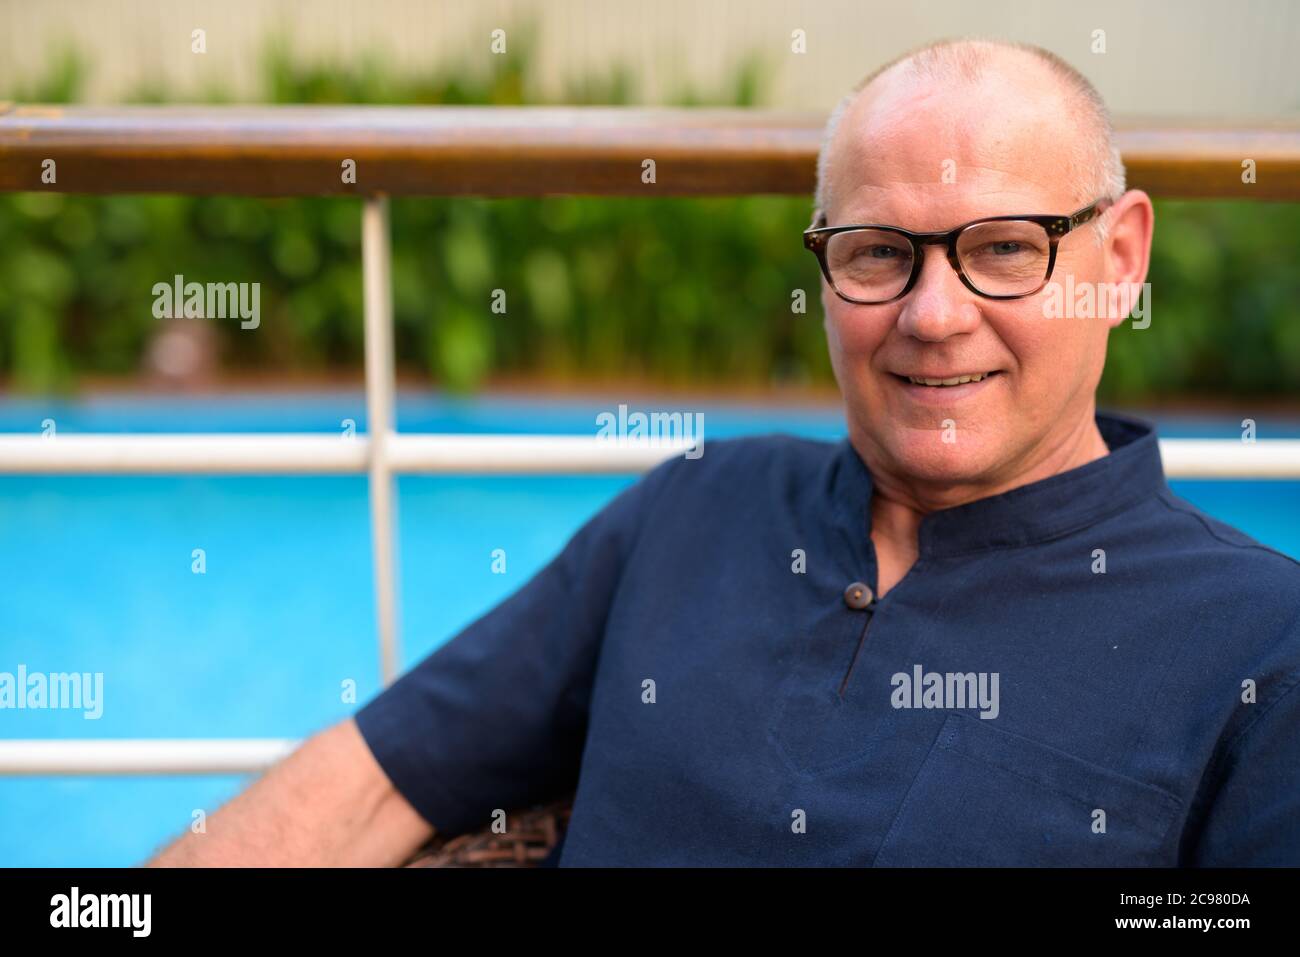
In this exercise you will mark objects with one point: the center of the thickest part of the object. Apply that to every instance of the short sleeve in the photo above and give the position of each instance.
(1254, 820)
(497, 716)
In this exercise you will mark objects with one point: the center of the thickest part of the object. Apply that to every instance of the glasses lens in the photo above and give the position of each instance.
(1004, 258)
(869, 264)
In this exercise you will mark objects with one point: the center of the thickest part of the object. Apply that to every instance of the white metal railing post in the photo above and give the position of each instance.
(376, 260)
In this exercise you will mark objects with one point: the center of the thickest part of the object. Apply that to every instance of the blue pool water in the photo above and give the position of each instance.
(95, 577)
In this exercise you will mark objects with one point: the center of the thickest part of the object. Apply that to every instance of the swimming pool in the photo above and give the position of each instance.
(95, 576)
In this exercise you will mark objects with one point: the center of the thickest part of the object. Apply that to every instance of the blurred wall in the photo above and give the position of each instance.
(1171, 57)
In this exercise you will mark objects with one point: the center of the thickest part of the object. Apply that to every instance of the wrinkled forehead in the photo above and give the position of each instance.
(929, 155)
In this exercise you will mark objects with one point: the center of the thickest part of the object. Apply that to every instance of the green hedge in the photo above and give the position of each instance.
(687, 291)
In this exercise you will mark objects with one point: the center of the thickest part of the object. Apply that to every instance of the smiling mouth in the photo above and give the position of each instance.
(948, 382)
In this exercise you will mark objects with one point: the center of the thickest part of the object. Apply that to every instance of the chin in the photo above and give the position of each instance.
(968, 456)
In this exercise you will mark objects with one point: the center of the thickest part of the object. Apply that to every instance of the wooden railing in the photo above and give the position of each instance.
(528, 151)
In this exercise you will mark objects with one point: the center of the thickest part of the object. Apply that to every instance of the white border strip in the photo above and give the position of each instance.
(1231, 458)
(142, 756)
(183, 454)
(191, 454)
(314, 454)
(529, 454)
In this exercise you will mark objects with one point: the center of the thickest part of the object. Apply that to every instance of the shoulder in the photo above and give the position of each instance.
(1246, 588)
(733, 483)
(1233, 551)
(762, 474)
(746, 467)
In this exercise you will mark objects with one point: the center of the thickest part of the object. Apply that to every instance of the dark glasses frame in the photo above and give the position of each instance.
(816, 238)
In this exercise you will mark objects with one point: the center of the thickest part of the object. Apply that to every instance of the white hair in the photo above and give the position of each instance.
(1099, 165)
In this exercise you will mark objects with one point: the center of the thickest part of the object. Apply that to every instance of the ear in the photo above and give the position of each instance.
(1127, 248)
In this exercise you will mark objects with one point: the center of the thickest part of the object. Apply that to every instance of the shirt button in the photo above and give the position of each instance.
(857, 596)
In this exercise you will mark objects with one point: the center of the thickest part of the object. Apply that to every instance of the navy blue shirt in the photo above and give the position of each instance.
(1085, 670)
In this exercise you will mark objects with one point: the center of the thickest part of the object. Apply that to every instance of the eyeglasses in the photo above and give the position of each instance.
(999, 257)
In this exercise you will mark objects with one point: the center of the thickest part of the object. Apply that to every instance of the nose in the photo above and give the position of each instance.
(939, 306)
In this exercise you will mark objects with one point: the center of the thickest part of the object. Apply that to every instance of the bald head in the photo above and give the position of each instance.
(999, 82)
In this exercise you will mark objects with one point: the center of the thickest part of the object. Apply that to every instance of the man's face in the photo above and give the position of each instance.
(1006, 146)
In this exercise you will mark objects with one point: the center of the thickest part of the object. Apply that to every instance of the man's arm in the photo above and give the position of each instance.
(508, 697)
(328, 804)
(1255, 818)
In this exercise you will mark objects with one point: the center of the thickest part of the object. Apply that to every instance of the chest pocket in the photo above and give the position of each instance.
(985, 797)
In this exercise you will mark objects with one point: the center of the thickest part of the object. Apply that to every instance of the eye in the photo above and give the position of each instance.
(881, 252)
(1005, 248)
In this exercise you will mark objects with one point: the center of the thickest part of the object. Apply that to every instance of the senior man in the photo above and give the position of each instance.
(981, 631)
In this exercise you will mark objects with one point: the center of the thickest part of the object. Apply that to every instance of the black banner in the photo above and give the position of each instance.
(332, 906)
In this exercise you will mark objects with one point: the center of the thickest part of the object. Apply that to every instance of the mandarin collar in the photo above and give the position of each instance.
(1066, 502)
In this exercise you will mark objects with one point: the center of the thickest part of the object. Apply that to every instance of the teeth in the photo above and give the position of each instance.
(957, 380)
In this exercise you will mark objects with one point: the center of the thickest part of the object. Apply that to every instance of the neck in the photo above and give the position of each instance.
(898, 503)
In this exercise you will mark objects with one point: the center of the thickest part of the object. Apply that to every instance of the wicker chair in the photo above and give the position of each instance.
(531, 835)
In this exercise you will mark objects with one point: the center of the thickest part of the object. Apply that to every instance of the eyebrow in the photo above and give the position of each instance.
(860, 219)
(863, 219)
